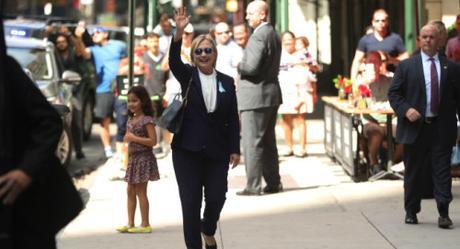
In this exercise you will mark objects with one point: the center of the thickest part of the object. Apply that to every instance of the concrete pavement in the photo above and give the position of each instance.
(320, 208)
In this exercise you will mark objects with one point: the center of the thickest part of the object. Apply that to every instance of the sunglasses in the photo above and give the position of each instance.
(199, 51)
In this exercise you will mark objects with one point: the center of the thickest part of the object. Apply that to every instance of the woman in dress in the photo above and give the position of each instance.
(295, 81)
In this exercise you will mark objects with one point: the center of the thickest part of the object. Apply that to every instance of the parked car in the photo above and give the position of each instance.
(84, 93)
(38, 59)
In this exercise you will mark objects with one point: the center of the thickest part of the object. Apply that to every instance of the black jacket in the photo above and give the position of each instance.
(30, 129)
(408, 90)
(217, 133)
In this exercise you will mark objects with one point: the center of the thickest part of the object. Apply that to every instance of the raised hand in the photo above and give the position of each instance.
(181, 18)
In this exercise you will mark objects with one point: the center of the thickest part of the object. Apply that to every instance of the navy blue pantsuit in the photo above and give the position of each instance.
(201, 150)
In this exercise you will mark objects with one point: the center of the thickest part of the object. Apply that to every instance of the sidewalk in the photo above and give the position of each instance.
(320, 208)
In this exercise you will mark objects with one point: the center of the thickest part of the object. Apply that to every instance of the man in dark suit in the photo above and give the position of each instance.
(425, 96)
(37, 197)
(259, 96)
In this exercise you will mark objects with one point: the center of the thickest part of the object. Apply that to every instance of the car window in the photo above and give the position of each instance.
(38, 61)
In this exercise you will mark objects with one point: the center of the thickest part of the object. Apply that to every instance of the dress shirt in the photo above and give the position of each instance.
(427, 75)
(209, 89)
(230, 54)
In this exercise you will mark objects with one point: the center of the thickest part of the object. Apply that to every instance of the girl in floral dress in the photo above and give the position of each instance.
(142, 164)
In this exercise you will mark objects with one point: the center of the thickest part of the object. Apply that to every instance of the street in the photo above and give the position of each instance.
(320, 208)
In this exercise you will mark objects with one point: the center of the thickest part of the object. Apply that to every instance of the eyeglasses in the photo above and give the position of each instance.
(199, 51)
(223, 32)
(380, 20)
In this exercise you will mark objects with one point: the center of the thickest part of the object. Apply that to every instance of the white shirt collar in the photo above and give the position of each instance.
(426, 57)
(260, 25)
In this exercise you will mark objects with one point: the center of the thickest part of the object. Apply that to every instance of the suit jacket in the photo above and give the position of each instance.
(217, 133)
(30, 132)
(408, 90)
(259, 85)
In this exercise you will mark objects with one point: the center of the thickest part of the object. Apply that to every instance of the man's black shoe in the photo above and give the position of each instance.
(247, 193)
(272, 190)
(411, 219)
(445, 222)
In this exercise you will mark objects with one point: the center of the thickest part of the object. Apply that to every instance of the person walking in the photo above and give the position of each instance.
(259, 96)
(37, 197)
(142, 164)
(424, 95)
(208, 140)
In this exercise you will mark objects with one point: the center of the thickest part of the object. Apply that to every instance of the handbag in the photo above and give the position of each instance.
(455, 159)
(172, 116)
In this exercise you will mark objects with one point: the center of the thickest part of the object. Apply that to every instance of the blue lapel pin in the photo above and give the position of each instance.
(221, 87)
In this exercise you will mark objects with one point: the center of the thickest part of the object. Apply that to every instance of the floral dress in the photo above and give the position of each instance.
(142, 164)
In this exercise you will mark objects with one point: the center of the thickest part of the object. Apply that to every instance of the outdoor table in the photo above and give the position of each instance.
(342, 131)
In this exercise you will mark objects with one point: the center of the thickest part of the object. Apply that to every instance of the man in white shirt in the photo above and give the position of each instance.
(229, 53)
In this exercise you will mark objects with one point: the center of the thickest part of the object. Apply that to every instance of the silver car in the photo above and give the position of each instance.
(37, 57)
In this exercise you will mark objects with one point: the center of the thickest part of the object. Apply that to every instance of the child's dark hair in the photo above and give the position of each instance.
(146, 103)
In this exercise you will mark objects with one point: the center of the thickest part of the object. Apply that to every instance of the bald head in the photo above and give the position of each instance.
(429, 39)
(256, 13)
(222, 33)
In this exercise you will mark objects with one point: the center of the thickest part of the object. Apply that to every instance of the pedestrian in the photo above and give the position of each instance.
(241, 34)
(142, 164)
(297, 91)
(381, 39)
(259, 96)
(70, 61)
(453, 45)
(424, 95)
(155, 83)
(208, 140)
(230, 53)
(37, 196)
(106, 55)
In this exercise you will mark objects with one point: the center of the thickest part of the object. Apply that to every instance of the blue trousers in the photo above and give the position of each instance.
(195, 171)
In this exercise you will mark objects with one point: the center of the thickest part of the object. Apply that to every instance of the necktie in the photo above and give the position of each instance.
(434, 88)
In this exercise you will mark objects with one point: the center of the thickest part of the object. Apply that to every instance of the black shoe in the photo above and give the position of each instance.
(445, 222)
(411, 219)
(272, 190)
(210, 247)
(247, 193)
(80, 155)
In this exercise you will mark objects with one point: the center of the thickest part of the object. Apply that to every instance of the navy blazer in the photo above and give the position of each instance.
(216, 133)
(408, 90)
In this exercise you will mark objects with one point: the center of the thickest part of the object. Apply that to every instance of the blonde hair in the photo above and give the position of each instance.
(199, 39)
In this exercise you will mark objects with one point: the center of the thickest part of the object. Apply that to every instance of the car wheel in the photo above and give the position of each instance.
(87, 119)
(64, 149)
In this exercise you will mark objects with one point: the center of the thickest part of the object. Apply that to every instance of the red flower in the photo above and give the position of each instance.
(364, 90)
